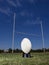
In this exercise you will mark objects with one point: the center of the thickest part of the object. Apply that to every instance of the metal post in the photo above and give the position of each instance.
(42, 37)
(13, 33)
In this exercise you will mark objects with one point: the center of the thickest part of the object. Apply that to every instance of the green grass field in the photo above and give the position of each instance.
(17, 59)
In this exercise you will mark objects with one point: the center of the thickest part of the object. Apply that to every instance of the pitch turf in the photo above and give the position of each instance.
(17, 59)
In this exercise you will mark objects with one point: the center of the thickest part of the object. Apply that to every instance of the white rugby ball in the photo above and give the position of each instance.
(26, 45)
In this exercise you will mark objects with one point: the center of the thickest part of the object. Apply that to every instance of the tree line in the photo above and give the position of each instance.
(20, 51)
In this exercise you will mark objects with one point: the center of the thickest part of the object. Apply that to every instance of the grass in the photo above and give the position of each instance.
(17, 59)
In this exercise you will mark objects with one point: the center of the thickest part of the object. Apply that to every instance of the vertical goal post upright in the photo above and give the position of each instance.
(13, 34)
(42, 36)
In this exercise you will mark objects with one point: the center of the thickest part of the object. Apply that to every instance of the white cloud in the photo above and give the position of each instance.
(1, 0)
(15, 4)
(18, 3)
(32, 22)
(32, 1)
(26, 13)
(23, 13)
(5, 11)
(11, 2)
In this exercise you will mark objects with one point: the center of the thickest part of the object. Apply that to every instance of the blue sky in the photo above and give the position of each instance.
(28, 12)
